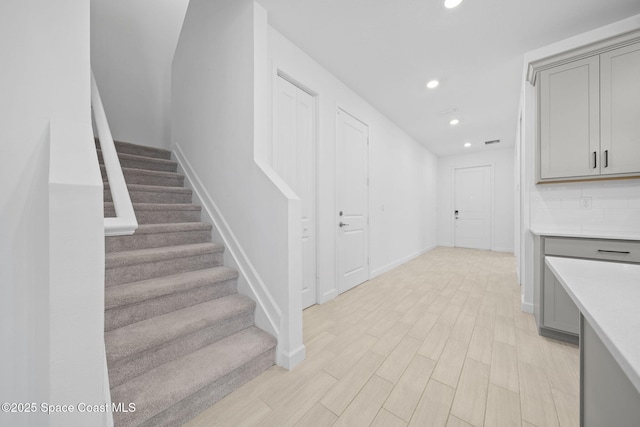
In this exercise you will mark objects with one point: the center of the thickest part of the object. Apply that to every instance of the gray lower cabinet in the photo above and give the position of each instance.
(560, 312)
(607, 396)
(556, 314)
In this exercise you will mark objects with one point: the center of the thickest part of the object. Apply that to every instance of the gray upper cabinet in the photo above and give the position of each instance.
(620, 110)
(589, 112)
(569, 121)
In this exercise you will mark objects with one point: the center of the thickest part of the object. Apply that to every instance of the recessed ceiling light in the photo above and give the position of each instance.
(450, 4)
(467, 144)
(433, 84)
(454, 121)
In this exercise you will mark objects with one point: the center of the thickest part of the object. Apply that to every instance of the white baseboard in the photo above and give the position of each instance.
(394, 264)
(292, 359)
(327, 296)
(268, 315)
(527, 307)
(509, 250)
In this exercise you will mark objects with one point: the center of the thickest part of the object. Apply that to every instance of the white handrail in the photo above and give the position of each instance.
(124, 223)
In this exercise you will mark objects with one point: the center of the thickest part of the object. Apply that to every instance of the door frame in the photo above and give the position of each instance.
(339, 108)
(280, 73)
(491, 167)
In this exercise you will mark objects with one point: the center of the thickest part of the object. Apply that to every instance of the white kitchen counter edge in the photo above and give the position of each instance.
(608, 296)
(584, 234)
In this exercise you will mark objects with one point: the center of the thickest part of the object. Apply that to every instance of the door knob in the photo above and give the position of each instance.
(342, 224)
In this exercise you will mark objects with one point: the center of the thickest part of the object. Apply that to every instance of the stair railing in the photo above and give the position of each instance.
(124, 223)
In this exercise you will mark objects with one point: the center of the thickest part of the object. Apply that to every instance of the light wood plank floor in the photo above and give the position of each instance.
(438, 341)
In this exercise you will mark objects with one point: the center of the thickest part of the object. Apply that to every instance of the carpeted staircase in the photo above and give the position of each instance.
(178, 335)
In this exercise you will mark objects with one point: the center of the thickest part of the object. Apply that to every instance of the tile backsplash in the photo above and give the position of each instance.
(612, 206)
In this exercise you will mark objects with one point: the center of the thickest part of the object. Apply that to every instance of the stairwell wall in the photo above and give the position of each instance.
(132, 46)
(217, 115)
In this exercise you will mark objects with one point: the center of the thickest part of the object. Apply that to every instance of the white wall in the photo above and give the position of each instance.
(45, 76)
(503, 197)
(615, 204)
(402, 198)
(218, 104)
(132, 46)
(77, 362)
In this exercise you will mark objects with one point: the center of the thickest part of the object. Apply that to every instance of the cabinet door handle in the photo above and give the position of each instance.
(606, 158)
(595, 160)
(613, 252)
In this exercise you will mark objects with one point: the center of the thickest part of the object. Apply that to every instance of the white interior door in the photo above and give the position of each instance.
(472, 207)
(294, 160)
(352, 195)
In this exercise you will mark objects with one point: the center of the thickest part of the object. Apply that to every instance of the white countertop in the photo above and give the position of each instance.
(615, 235)
(608, 296)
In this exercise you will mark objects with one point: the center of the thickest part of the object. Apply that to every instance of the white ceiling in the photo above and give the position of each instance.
(386, 50)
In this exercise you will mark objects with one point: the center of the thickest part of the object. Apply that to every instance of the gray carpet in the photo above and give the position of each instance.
(178, 335)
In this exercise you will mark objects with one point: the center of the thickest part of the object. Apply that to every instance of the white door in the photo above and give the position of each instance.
(472, 207)
(352, 198)
(294, 160)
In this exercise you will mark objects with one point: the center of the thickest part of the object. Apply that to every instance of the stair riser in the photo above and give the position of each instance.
(139, 150)
(150, 270)
(135, 177)
(136, 364)
(121, 316)
(186, 409)
(156, 240)
(141, 164)
(160, 217)
(163, 217)
(153, 197)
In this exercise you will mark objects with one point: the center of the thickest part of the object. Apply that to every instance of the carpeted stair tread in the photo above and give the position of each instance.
(141, 193)
(143, 162)
(153, 188)
(135, 292)
(161, 213)
(148, 177)
(138, 256)
(152, 333)
(159, 235)
(169, 384)
(172, 227)
(146, 172)
(136, 301)
(139, 150)
(160, 206)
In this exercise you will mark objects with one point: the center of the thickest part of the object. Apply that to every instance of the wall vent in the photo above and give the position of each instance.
(493, 141)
